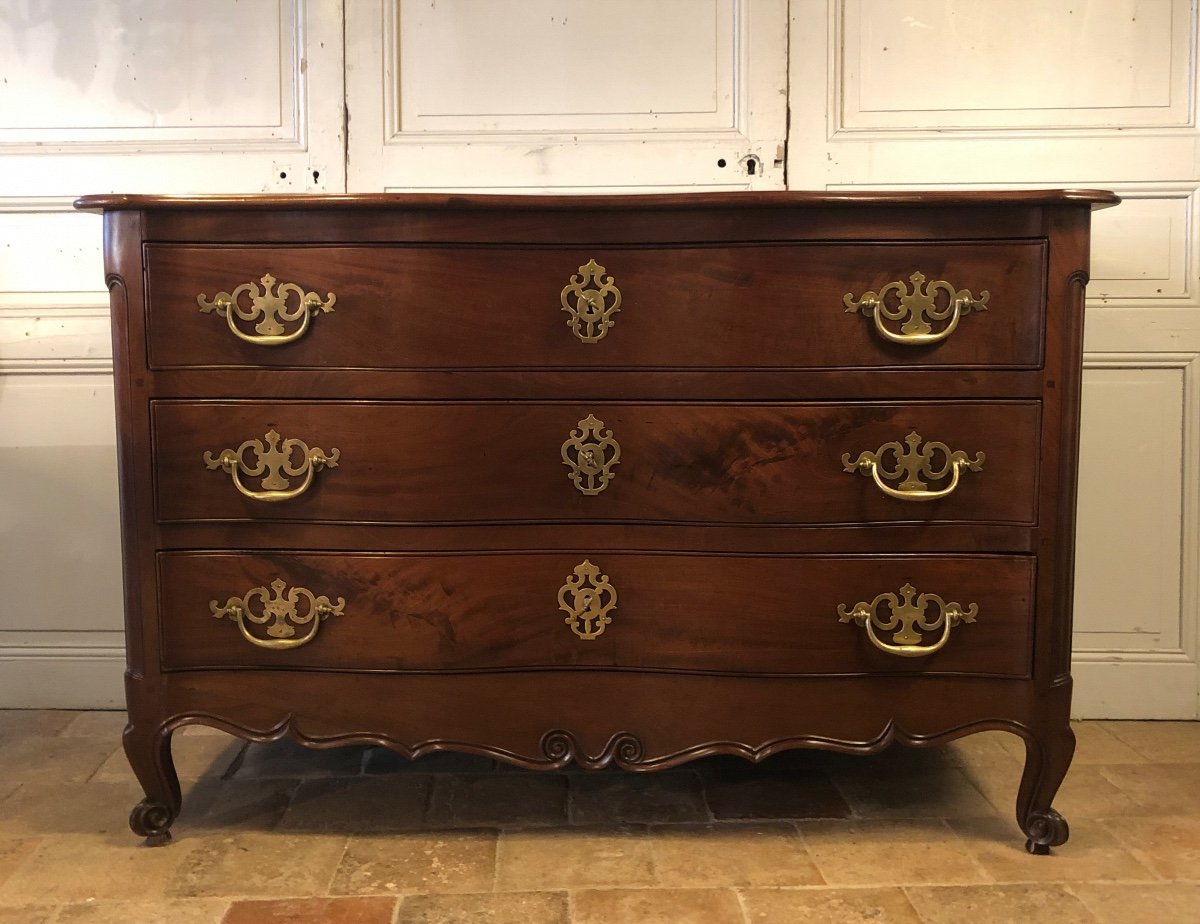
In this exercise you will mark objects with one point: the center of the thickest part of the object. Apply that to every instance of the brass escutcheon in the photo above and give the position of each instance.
(590, 300)
(906, 618)
(910, 464)
(587, 598)
(590, 452)
(272, 463)
(280, 614)
(916, 308)
(269, 304)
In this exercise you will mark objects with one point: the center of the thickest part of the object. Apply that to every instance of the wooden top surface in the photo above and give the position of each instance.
(1097, 198)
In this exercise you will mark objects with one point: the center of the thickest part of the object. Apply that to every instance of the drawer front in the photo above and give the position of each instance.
(970, 462)
(518, 611)
(754, 306)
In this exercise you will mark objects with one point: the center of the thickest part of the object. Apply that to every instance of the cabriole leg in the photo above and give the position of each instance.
(149, 753)
(1047, 757)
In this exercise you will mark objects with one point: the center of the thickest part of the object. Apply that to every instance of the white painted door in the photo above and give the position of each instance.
(566, 95)
(1099, 93)
(170, 97)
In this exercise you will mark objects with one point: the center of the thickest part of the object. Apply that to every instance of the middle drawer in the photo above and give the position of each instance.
(455, 463)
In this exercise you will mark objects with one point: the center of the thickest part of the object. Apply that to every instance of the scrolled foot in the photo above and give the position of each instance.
(152, 820)
(1045, 830)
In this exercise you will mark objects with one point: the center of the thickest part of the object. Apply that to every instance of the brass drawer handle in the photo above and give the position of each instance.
(908, 617)
(587, 598)
(912, 463)
(590, 452)
(272, 465)
(271, 306)
(595, 298)
(918, 306)
(279, 613)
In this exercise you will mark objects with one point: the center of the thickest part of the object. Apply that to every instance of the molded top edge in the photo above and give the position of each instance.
(1097, 198)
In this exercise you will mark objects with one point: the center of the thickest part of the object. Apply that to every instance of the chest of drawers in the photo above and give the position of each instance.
(601, 480)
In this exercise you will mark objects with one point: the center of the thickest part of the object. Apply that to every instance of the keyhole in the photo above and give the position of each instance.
(751, 165)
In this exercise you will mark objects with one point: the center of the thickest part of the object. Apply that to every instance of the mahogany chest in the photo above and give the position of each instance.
(603, 480)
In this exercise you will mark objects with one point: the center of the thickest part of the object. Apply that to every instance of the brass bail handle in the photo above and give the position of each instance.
(274, 465)
(269, 307)
(907, 620)
(912, 464)
(280, 613)
(916, 307)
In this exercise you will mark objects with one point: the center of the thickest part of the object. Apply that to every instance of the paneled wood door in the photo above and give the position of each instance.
(117, 95)
(574, 95)
(1098, 93)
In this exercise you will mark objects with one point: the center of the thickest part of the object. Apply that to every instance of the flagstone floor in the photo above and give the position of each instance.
(274, 833)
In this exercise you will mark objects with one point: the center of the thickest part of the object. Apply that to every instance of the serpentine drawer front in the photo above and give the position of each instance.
(613, 480)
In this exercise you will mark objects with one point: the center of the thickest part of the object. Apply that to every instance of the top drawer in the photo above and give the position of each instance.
(603, 307)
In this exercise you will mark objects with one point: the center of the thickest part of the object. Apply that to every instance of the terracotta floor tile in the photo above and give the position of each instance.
(1160, 903)
(182, 911)
(253, 864)
(20, 723)
(214, 805)
(1092, 853)
(27, 914)
(635, 798)
(885, 852)
(731, 854)
(498, 800)
(501, 908)
(1160, 742)
(101, 867)
(446, 861)
(656, 906)
(1158, 789)
(947, 792)
(736, 789)
(287, 758)
(312, 911)
(96, 724)
(358, 805)
(385, 760)
(573, 858)
(998, 904)
(68, 808)
(828, 906)
(195, 756)
(1169, 846)
(41, 759)
(13, 851)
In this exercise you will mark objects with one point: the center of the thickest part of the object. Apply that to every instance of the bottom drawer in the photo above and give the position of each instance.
(729, 614)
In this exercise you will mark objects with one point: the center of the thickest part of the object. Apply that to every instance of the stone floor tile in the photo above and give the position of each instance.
(96, 724)
(1092, 853)
(20, 723)
(179, 911)
(357, 805)
(54, 809)
(1160, 742)
(100, 867)
(1096, 744)
(1158, 789)
(1169, 846)
(987, 750)
(1159, 903)
(43, 759)
(731, 854)
(195, 756)
(27, 914)
(998, 904)
(445, 861)
(636, 798)
(498, 800)
(497, 908)
(656, 906)
(256, 864)
(385, 760)
(312, 911)
(828, 906)
(736, 789)
(573, 858)
(1085, 793)
(13, 851)
(948, 792)
(288, 758)
(215, 805)
(889, 852)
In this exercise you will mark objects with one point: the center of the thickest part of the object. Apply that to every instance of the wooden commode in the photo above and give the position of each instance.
(601, 480)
